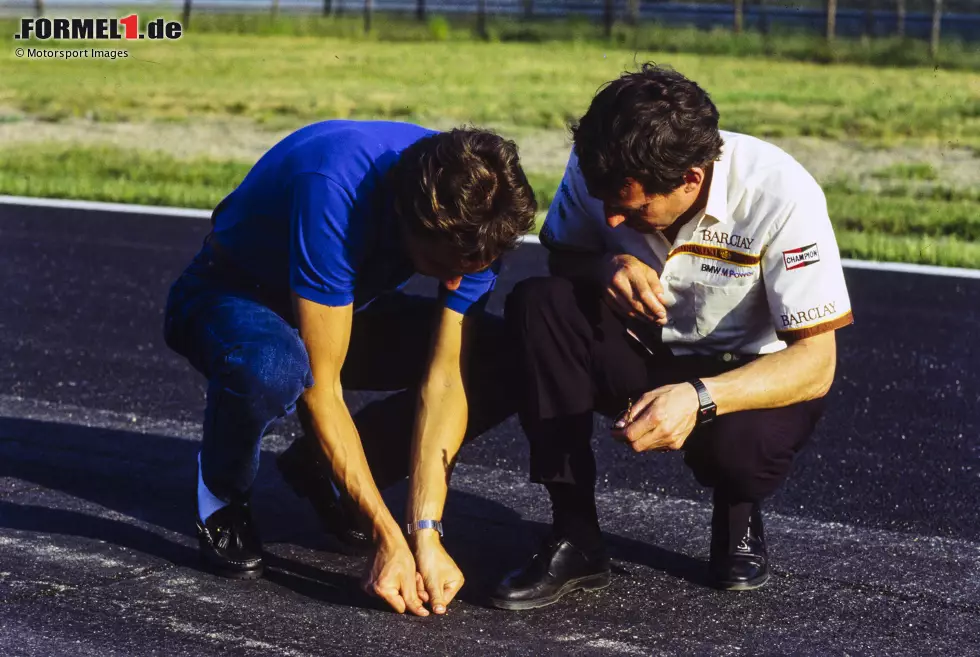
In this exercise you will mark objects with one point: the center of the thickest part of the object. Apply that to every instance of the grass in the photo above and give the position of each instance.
(117, 175)
(908, 171)
(282, 82)
(905, 216)
(946, 252)
(778, 44)
(899, 225)
(249, 71)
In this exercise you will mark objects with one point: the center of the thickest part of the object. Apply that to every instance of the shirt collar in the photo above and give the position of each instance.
(717, 205)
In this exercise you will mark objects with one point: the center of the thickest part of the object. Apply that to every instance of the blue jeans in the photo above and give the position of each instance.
(243, 339)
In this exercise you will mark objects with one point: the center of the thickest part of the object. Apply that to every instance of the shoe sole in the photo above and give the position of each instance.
(750, 585)
(588, 583)
(232, 573)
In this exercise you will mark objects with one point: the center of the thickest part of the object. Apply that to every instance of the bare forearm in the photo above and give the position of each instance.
(440, 427)
(801, 372)
(338, 437)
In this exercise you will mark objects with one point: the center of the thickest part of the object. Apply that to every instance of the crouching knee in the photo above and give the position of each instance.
(537, 300)
(745, 469)
(272, 374)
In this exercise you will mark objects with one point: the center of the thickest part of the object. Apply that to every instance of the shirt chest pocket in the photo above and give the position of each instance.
(724, 313)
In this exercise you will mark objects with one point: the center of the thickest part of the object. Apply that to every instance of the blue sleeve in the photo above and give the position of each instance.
(322, 249)
(473, 291)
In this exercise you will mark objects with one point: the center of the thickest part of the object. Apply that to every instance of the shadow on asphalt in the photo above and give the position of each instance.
(152, 478)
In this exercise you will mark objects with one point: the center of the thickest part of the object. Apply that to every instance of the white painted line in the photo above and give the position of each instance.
(97, 206)
(192, 213)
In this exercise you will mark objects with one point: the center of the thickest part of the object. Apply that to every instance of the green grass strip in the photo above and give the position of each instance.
(884, 215)
(117, 175)
(907, 171)
(946, 252)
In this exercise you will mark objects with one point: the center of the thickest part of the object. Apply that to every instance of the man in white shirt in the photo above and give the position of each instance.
(697, 283)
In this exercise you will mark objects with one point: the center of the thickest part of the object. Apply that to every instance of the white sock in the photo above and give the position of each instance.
(207, 503)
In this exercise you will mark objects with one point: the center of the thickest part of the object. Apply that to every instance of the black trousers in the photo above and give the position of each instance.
(576, 359)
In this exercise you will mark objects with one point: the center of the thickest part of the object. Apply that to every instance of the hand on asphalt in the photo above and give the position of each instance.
(392, 577)
(439, 575)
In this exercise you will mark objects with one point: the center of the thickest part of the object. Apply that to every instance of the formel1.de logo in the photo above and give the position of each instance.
(97, 29)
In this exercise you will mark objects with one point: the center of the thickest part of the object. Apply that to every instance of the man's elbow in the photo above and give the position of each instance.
(823, 386)
(827, 369)
(820, 355)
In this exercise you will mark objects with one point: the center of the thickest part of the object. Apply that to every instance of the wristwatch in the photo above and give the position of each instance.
(708, 409)
(413, 527)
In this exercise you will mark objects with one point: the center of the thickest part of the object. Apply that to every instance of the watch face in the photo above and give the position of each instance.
(707, 413)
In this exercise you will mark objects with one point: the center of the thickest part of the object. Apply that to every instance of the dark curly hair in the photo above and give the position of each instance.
(464, 188)
(652, 125)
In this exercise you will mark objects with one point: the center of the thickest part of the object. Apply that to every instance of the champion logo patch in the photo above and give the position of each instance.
(801, 257)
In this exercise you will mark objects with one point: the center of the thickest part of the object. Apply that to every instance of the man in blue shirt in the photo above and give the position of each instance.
(293, 298)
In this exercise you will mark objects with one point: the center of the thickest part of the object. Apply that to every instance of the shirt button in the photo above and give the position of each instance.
(727, 357)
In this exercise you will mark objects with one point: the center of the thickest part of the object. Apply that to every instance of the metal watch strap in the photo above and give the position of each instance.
(706, 412)
(413, 527)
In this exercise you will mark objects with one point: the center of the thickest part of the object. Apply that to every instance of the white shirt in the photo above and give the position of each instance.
(759, 266)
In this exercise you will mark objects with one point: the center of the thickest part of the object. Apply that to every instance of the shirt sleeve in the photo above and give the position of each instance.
(803, 275)
(473, 291)
(574, 219)
(322, 266)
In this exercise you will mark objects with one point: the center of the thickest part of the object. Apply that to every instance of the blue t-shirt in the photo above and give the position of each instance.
(312, 216)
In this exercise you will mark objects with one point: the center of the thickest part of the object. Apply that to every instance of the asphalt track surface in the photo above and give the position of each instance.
(875, 539)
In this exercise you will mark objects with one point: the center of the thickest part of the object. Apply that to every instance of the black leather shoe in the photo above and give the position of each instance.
(557, 569)
(306, 471)
(746, 566)
(230, 544)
